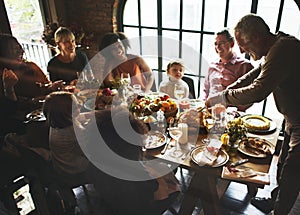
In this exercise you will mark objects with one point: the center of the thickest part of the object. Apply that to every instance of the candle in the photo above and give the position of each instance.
(184, 137)
(184, 104)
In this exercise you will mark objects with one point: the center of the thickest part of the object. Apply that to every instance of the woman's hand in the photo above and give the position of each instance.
(9, 79)
(56, 85)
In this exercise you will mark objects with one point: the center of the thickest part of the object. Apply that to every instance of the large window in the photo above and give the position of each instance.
(26, 23)
(185, 30)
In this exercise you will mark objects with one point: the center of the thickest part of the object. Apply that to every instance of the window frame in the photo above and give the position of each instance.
(199, 76)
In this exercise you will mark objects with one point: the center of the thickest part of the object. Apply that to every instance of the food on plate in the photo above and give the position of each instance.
(143, 105)
(109, 92)
(256, 122)
(149, 119)
(105, 97)
(193, 118)
(257, 146)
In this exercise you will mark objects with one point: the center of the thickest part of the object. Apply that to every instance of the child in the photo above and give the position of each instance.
(175, 71)
(62, 109)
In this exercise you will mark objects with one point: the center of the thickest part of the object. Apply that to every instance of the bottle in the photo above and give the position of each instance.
(160, 121)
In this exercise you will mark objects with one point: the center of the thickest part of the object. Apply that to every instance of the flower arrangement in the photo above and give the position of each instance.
(83, 39)
(235, 129)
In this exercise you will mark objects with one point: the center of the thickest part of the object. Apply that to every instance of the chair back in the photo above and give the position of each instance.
(190, 83)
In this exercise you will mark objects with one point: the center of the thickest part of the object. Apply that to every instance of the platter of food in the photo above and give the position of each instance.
(256, 147)
(197, 153)
(258, 124)
(154, 139)
(143, 105)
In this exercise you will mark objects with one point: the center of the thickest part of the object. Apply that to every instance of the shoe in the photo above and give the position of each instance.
(264, 204)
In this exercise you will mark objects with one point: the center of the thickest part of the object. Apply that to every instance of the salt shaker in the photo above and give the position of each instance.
(160, 121)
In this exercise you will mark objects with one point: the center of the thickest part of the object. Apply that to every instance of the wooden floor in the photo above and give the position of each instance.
(234, 202)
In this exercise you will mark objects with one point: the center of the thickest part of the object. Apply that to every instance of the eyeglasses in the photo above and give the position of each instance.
(221, 43)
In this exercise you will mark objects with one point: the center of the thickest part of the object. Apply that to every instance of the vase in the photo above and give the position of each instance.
(232, 147)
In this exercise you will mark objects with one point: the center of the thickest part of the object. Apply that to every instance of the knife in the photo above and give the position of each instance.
(239, 162)
(166, 146)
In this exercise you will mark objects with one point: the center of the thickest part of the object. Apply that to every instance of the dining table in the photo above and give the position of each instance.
(209, 183)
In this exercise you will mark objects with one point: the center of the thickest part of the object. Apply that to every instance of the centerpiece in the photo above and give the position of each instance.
(234, 132)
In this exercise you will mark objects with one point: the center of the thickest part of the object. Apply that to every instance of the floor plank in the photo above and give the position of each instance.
(235, 201)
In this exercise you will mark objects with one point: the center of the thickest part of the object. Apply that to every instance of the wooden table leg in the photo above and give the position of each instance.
(252, 190)
(205, 188)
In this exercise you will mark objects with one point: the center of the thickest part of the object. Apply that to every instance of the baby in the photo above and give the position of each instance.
(175, 71)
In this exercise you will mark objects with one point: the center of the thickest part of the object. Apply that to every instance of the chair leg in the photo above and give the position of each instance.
(173, 211)
(86, 192)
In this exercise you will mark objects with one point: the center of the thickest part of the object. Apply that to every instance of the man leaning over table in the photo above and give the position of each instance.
(278, 74)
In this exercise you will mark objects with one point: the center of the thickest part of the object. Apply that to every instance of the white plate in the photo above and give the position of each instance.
(88, 92)
(195, 103)
(272, 128)
(245, 150)
(222, 159)
(154, 95)
(36, 115)
(154, 139)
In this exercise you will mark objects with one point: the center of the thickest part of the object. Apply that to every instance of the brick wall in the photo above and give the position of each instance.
(94, 16)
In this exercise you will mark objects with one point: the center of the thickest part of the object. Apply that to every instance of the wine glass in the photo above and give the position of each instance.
(175, 133)
(209, 124)
(88, 75)
(178, 91)
(125, 83)
(216, 125)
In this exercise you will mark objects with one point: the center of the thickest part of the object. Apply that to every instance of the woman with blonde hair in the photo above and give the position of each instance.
(68, 63)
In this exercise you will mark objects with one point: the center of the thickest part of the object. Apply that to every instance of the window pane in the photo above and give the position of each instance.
(131, 32)
(131, 13)
(170, 46)
(149, 47)
(148, 13)
(170, 13)
(214, 19)
(191, 18)
(190, 52)
(268, 10)
(208, 53)
(237, 9)
(290, 21)
(171, 34)
(25, 20)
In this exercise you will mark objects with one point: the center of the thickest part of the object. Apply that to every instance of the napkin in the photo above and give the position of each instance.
(210, 153)
(245, 174)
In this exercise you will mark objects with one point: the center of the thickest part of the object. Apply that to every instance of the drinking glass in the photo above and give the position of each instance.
(137, 88)
(175, 133)
(125, 79)
(178, 91)
(88, 75)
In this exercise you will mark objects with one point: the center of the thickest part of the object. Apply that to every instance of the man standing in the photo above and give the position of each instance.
(278, 74)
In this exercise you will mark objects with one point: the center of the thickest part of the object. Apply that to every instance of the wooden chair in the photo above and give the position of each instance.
(50, 182)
